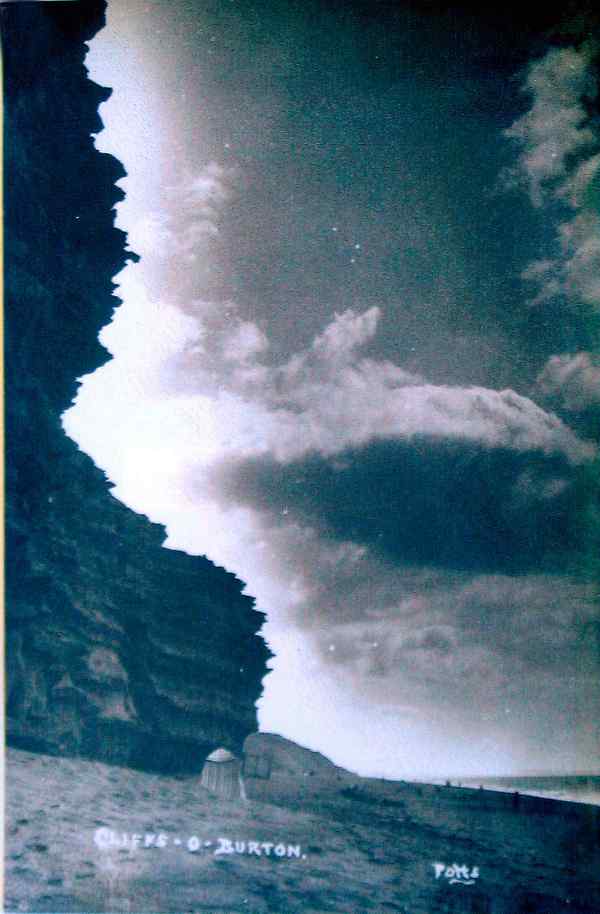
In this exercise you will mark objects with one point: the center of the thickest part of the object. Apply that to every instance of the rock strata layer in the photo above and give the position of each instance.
(117, 649)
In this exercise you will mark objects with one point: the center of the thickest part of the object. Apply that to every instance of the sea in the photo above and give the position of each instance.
(577, 788)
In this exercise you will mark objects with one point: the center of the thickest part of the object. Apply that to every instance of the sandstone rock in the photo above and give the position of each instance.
(117, 649)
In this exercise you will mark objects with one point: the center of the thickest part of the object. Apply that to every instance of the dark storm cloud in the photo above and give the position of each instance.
(422, 528)
(364, 452)
(438, 502)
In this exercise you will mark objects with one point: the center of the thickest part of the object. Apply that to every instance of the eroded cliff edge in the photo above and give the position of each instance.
(117, 649)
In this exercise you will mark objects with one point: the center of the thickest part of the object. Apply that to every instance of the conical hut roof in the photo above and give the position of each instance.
(221, 755)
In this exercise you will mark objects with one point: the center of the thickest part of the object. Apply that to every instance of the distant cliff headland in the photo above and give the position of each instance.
(118, 649)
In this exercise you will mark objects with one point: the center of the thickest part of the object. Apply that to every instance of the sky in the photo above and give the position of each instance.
(356, 366)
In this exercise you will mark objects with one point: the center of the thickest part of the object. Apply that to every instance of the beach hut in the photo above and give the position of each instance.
(222, 775)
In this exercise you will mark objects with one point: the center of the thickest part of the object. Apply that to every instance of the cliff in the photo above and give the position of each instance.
(117, 649)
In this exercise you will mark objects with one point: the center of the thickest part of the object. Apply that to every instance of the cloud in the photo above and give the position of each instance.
(555, 128)
(559, 161)
(444, 502)
(574, 277)
(473, 654)
(244, 342)
(183, 260)
(478, 637)
(389, 526)
(572, 380)
(474, 633)
(328, 398)
(559, 164)
(579, 183)
(194, 204)
(580, 242)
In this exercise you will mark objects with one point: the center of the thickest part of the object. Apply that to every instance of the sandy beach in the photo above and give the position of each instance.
(85, 836)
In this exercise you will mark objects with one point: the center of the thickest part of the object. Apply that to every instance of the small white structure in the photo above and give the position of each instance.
(222, 775)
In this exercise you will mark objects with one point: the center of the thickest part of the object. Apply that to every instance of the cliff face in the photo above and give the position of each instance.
(117, 649)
